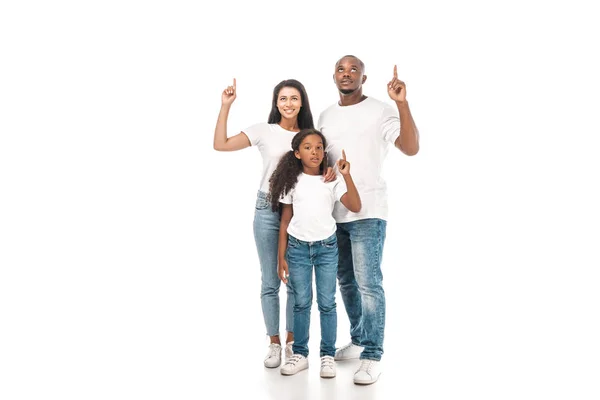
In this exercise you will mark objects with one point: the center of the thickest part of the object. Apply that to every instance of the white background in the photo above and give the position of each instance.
(128, 266)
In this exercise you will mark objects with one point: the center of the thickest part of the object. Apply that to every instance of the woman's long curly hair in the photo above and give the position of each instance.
(285, 176)
(305, 118)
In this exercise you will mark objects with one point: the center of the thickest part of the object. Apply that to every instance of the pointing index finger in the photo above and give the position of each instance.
(343, 155)
(395, 72)
(234, 83)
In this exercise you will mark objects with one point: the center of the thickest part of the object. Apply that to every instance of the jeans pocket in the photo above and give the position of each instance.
(292, 242)
(262, 203)
(331, 243)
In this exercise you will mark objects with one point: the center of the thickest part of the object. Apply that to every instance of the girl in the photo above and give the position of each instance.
(307, 238)
(290, 112)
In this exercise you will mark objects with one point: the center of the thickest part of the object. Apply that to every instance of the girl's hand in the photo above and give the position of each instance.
(343, 165)
(228, 95)
(283, 271)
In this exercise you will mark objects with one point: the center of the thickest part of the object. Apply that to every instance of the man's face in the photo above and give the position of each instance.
(348, 75)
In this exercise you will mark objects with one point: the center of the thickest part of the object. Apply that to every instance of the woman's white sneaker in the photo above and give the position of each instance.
(367, 373)
(295, 364)
(327, 367)
(273, 358)
(348, 352)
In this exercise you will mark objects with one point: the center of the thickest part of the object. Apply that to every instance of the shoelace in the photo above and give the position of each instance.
(366, 365)
(294, 359)
(273, 350)
(327, 361)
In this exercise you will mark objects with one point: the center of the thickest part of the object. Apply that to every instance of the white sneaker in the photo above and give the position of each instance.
(288, 350)
(273, 358)
(327, 367)
(348, 352)
(295, 364)
(367, 373)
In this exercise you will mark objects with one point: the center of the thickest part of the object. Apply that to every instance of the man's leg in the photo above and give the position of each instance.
(367, 238)
(348, 285)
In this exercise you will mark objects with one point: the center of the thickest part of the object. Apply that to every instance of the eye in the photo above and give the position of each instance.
(353, 69)
(282, 99)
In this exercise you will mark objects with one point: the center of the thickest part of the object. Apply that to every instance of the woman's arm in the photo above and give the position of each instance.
(221, 141)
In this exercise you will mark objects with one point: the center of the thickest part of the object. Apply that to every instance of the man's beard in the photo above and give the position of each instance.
(347, 91)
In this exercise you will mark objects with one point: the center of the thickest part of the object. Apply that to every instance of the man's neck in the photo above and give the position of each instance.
(352, 98)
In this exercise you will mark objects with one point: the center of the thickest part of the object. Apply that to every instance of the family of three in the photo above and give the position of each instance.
(313, 214)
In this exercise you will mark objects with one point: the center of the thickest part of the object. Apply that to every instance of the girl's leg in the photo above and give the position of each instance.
(326, 265)
(300, 267)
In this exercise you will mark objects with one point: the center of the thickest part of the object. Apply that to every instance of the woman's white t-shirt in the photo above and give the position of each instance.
(273, 142)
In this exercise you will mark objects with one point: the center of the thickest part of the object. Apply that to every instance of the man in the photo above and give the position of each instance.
(365, 127)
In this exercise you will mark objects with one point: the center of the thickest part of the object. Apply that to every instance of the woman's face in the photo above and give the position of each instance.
(289, 102)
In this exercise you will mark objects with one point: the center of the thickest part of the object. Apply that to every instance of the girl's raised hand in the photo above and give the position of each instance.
(228, 95)
(343, 165)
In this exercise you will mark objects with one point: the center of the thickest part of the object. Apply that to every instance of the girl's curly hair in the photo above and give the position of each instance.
(285, 176)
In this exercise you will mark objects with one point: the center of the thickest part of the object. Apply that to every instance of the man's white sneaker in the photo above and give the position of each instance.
(367, 373)
(327, 367)
(348, 352)
(273, 358)
(295, 364)
(288, 350)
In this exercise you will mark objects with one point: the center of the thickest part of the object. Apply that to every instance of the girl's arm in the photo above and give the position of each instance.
(350, 199)
(221, 141)
(286, 216)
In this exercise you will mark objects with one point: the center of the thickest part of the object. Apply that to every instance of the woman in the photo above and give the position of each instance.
(290, 113)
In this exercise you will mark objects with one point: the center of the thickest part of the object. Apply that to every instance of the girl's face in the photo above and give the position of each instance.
(289, 102)
(311, 153)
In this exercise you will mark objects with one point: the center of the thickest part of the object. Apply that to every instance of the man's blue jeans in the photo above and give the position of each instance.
(301, 257)
(266, 236)
(361, 282)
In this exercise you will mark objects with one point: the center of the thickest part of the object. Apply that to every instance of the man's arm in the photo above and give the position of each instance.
(408, 141)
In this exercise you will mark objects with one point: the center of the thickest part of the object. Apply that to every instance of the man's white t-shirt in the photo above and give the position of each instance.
(364, 131)
(313, 202)
(273, 142)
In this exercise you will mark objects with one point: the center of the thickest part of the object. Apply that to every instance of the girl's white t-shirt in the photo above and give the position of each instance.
(273, 142)
(313, 202)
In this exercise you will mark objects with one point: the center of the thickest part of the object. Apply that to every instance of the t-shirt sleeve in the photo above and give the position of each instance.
(339, 188)
(288, 198)
(390, 124)
(255, 133)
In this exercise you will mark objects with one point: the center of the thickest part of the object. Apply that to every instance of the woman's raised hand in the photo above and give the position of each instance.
(228, 95)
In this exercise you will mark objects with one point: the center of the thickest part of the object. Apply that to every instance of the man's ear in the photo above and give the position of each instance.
(364, 78)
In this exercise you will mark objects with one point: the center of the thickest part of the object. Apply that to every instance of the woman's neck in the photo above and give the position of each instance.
(289, 124)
